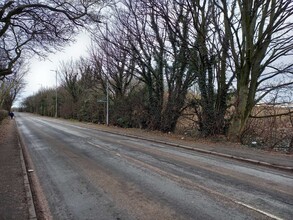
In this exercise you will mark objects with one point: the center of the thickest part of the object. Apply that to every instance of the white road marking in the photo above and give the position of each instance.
(103, 148)
(207, 189)
(258, 210)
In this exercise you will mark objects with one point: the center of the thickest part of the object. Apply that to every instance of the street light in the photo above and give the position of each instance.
(107, 118)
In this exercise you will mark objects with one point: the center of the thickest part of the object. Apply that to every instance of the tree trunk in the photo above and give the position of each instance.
(290, 148)
(241, 115)
(172, 111)
(154, 107)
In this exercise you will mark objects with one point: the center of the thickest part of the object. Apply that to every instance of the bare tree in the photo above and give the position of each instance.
(79, 80)
(70, 77)
(32, 26)
(161, 58)
(114, 70)
(113, 64)
(208, 51)
(260, 37)
(11, 86)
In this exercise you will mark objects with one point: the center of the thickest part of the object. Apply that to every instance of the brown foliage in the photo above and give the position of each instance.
(274, 132)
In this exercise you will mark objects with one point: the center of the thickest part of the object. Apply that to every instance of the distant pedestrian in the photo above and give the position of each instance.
(11, 114)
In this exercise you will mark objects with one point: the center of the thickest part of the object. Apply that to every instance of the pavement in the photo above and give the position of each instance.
(16, 200)
(15, 194)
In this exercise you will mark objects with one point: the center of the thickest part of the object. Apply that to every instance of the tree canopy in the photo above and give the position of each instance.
(34, 27)
(154, 53)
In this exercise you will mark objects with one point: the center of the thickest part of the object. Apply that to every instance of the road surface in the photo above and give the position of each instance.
(91, 174)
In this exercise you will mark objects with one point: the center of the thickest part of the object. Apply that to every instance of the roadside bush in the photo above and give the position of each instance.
(272, 133)
(3, 114)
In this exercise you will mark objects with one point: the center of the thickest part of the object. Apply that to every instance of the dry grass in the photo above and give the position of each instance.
(270, 133)
(275, 132)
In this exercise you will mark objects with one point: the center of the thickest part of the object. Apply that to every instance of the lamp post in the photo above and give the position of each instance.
(107, 118)
(107, 54)
(56, 112)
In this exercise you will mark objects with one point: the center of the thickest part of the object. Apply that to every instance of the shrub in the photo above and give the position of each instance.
(3, 114)
(274, 133)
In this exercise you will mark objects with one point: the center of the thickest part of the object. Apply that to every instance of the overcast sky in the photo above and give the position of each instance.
(41, 73)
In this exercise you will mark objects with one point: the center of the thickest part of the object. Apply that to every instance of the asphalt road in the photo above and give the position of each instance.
(90, 174)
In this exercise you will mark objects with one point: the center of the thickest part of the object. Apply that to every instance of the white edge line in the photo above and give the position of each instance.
(258, 210)
(28, 192)
(237, 202)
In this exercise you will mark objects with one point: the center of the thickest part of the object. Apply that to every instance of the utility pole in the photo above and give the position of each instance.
(107, 60)
(56, 112)
(107, 117)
